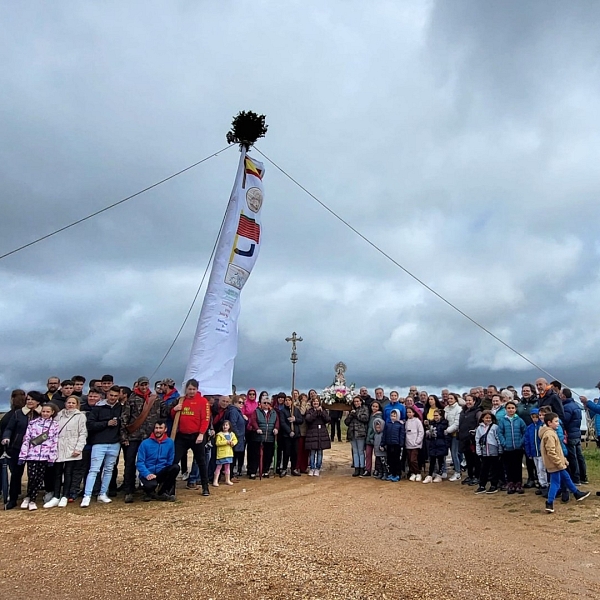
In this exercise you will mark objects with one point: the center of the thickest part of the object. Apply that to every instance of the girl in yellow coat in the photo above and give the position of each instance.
(225, 442)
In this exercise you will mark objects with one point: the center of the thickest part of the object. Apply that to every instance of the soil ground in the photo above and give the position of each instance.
(328, 537)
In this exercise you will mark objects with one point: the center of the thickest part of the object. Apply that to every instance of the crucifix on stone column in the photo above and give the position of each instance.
(294, 357)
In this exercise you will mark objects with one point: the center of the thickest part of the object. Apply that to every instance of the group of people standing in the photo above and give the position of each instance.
(71, 442)
(486, 432)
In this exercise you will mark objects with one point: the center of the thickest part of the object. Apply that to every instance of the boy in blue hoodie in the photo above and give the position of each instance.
(533, 449)
(393, 441)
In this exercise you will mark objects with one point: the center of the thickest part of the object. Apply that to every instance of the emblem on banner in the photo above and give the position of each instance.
(254, 199)
(236, 276)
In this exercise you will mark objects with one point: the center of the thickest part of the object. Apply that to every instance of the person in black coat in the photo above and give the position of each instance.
(467, 425)
(336, 424)
(290, 420)
(12, 440)
(317, 436)
(548, 397)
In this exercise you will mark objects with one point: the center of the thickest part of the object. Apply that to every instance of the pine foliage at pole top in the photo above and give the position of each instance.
(246, 128)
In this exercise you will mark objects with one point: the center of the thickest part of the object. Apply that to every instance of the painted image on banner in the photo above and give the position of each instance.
(236, 276)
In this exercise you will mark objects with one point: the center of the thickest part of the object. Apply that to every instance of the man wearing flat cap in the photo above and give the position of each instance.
(140, 412)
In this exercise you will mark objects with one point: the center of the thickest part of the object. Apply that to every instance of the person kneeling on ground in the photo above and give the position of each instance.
(155, 459)
(555, 462)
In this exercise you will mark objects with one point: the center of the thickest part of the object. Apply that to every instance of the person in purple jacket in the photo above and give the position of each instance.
(39, 449)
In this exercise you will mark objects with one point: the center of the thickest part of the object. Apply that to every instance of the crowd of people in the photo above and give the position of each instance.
(486, 434)
(70, 442)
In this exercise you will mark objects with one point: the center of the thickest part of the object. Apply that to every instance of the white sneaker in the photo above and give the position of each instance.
(428, 479)
(25, 503)
(85, 502)
(444, 475)
(412, 477)
(437, 479)
(52, 503)
(418, 477)
(62, 503)
(455, 477)
(32, 506)
(104, 499)
(184, 476)
(311, 472)
(317, 472)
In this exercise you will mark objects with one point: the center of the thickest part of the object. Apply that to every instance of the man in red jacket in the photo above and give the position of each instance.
(191, 427)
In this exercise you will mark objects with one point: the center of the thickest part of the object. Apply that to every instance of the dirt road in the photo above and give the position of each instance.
(331, 537)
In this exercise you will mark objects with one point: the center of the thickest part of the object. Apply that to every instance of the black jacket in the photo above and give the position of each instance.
(285, 427)
(469, 421)
(16, 428)
(97, 424)
(58, 400)
(552, 400)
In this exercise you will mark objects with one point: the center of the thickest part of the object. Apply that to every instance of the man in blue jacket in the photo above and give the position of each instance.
(155, 458)
(572, 422)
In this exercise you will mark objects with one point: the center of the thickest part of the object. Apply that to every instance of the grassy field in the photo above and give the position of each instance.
(592, 460)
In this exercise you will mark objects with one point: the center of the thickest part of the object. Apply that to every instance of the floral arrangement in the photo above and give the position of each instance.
(338, 393)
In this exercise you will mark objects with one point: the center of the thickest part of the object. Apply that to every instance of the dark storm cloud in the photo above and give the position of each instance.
(463, 138)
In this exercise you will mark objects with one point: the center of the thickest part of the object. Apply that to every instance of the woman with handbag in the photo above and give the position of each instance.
(39, 449)
(72, 435)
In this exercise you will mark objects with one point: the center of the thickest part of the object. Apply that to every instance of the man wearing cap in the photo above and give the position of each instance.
(140, 413)
(170, 396)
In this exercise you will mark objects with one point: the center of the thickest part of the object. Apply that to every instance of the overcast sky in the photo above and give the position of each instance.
(461, 137)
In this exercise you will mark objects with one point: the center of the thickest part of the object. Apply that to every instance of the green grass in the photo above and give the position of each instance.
(592, 460)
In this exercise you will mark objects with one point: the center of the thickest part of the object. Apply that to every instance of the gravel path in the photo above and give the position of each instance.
(331, 537)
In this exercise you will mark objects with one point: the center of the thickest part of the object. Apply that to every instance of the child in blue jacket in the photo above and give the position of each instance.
(393, 441)
(533, 448)
(511, 433)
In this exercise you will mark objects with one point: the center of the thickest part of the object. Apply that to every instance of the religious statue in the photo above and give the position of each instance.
(340, 378)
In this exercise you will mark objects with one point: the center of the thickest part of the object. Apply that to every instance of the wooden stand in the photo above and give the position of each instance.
(338, 406)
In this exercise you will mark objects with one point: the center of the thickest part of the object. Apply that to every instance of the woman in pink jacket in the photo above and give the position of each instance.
(39, 449)
(250, 404)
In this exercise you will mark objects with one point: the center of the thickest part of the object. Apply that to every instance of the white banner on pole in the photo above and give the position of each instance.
(215, 344)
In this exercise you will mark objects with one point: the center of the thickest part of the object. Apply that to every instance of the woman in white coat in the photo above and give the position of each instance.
(72, 435)
(452, 415)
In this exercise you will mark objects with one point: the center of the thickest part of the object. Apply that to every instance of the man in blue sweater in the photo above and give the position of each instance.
(155, 458)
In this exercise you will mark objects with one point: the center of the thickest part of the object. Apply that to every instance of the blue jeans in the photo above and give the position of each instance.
(316, 459)
(107, 453)
(358, 453)
(455, 454)
(559, 480)
(194, 473)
